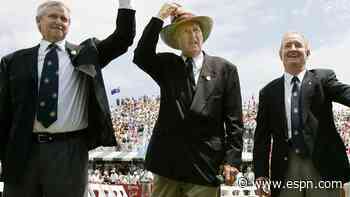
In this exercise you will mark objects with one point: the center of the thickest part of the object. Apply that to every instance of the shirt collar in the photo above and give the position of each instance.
(60, 44)
(288, 77)
(198, 60)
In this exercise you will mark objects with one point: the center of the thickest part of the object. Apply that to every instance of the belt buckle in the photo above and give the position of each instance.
(44, 138)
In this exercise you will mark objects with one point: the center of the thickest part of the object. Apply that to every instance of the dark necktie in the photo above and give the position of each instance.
(189, 68)
(48, 90)
(297, 140)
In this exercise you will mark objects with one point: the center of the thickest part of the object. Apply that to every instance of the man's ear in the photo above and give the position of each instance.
(308, 52)
(69, 21)
(280, 53)
(38, 22)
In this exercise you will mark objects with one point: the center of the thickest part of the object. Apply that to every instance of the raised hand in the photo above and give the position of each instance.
(167, 10)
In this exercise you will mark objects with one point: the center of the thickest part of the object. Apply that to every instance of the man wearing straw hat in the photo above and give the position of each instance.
(53, 105)
(199, 127)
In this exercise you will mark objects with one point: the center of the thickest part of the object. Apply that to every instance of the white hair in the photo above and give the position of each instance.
(42, 8)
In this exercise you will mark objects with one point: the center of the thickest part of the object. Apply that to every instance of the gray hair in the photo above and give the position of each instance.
(42, 8)
(306, 42)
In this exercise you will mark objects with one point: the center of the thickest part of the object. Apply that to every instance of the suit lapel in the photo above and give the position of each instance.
(80, 60)
(182, 84)
(205, 84)
(306, 91)
(280, 102)
(31, 58)
(73, 51)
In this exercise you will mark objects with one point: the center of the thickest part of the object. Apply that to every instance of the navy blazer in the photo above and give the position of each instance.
(192, 137)
(319, 89)
(19, 89)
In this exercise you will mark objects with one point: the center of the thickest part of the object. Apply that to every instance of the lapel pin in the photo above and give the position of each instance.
(310, 83)
(74, 52)
(208, 78)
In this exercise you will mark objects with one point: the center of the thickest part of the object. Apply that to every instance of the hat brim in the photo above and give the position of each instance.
(168, 32)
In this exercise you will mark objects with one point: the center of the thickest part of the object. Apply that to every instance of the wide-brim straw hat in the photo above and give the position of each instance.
(168, 33)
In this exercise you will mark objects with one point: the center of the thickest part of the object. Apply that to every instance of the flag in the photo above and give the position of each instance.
(115, 90)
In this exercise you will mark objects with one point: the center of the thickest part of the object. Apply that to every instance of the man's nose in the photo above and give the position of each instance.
(193, 34)
(59, 21)
(293, 47)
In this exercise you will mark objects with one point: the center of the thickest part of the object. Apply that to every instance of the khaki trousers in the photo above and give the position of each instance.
(164, 187)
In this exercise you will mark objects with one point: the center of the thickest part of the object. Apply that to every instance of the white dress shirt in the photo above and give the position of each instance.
(287, 97)
(72, 112)
(198, 63)
(127, 4)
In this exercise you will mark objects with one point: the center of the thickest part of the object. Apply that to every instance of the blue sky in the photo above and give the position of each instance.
(247, 33)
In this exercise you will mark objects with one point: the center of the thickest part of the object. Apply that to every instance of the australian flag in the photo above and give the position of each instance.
(115, 90)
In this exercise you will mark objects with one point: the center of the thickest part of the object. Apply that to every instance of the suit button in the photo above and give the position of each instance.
(285, 158)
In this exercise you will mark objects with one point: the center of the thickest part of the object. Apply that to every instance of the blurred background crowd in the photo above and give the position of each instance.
(133, 120)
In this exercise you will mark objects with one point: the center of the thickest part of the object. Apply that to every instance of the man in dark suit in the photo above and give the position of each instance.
(295, 111)
(53, 105)
(200, 124)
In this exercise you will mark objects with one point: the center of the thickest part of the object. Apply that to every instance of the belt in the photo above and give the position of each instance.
(44, 137)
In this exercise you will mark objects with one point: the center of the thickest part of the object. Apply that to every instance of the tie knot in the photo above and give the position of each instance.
(189, 60)
(189, 64)
(52, 46)
(295, 80)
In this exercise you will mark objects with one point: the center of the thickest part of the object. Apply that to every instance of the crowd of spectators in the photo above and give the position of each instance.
(133, 120)
(122, 173)
(342, 122)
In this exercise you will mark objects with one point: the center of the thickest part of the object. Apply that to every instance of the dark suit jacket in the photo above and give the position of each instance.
(318, 90)
(191, 138)
(18, 93)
